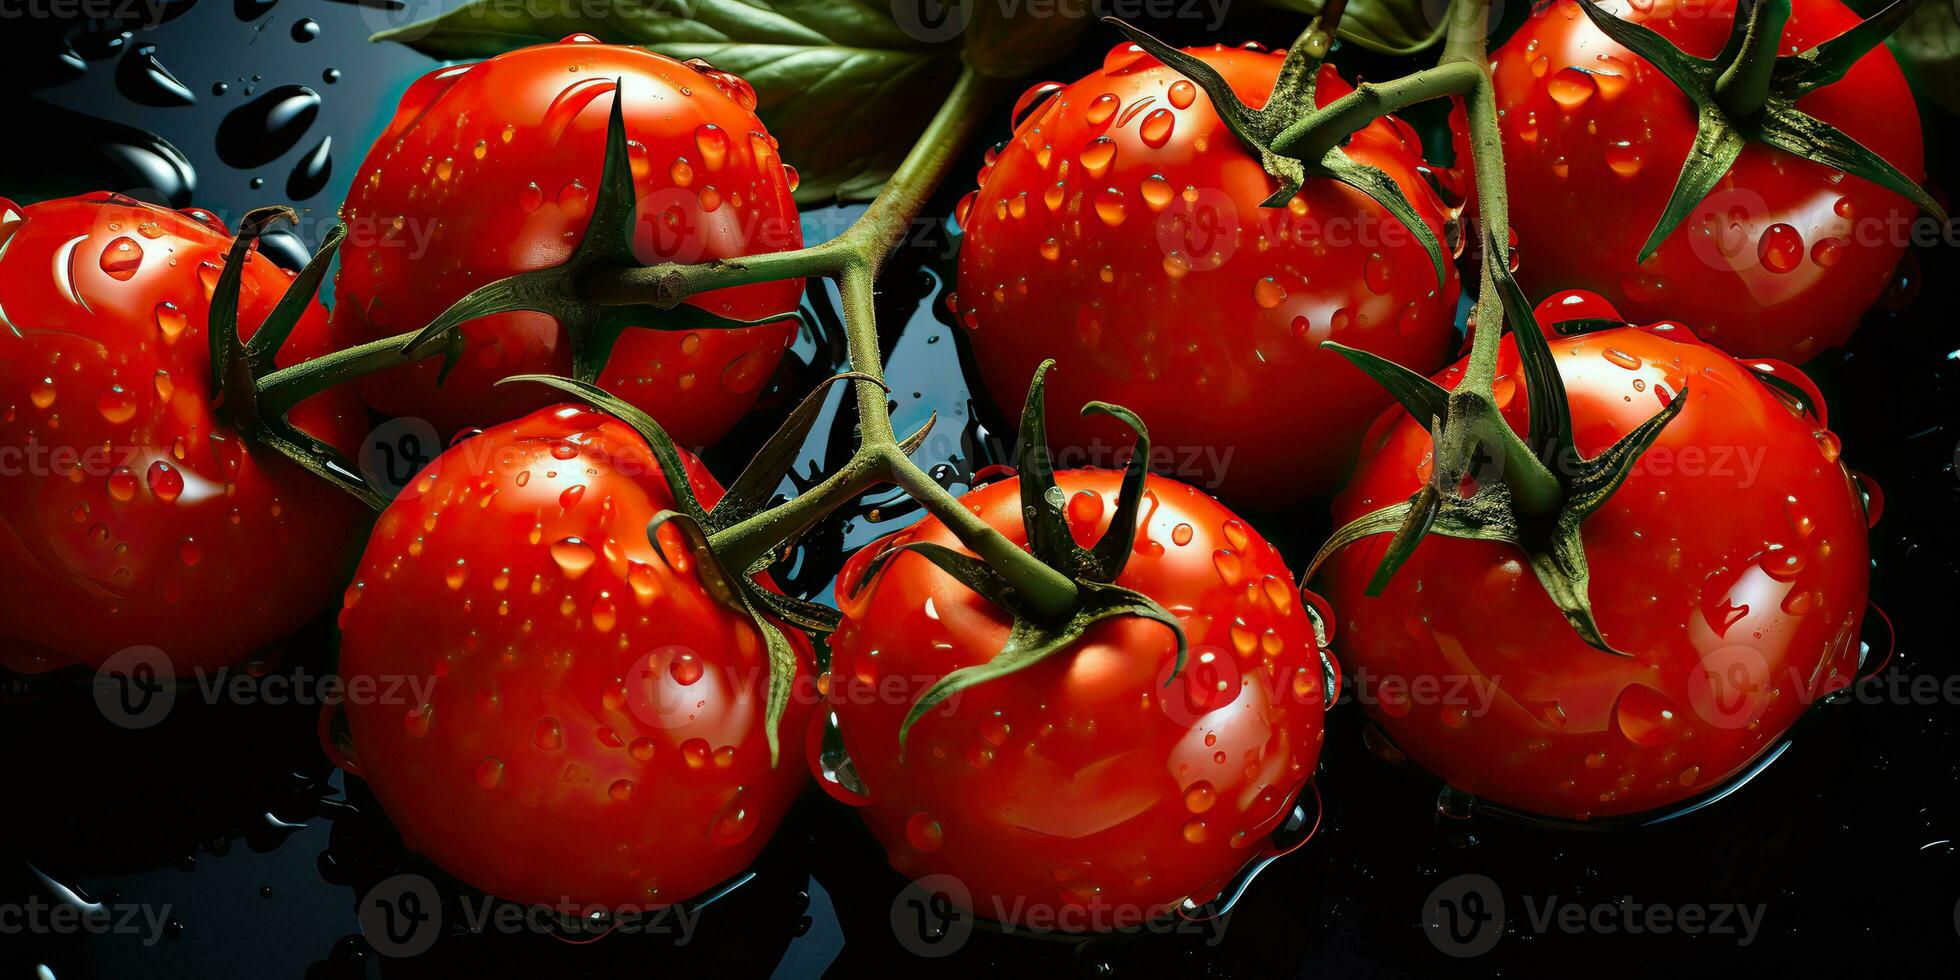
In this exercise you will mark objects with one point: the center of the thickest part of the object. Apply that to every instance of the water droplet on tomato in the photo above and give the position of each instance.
(122, 258)
(1781, 248)
(1646, 716)
(712, 142)
(1183, 93)
(1268, 293)
(1109, 206)
(548, 735)
(165, 481)
(1098, 155)
(1571, 87)
(1200, 796)
(734, 824)
(417, 719)
(1101, 108)
(573, 556)
(1156, 127)
(122, 484)
(490, 772)
(924, 832)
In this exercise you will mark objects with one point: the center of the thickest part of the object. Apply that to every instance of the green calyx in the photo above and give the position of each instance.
(1295, 139)
(1747, 93)
(1037, 634)
(571, 292)
(253, 394)
(727, 568)
(1487, 483)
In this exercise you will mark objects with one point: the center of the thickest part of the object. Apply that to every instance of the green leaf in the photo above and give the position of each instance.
(1716, 146)
(1806, 136)
(1396, 27)
(838, 82)
(1550, 431)
(964, 568)
(1383, 190)
(1422, 398)
(1043, 508)
(1827, 62)
(1113, 549)
(1423, 508)
(752, 491)
(1695, 76)
(265, 342)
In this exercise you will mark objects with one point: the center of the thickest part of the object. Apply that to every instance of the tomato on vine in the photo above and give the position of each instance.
(1140, 229)
(1095, 762)
(492, 170)
(573, 666)
(1697, 582)
(150, 511)
(1750, 169)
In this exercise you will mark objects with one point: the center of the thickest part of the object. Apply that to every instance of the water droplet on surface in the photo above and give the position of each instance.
(311, 172)
(266, 128)
(142, 79)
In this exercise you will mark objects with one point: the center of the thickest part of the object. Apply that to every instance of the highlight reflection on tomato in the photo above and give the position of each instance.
(1733, 626)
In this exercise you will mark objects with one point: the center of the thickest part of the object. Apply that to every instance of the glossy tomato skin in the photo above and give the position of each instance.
(1731, 566)
(1082, 784)
(489, 169)
(1119, 232)
(589, 725)
(140, 516)
(1780, 260)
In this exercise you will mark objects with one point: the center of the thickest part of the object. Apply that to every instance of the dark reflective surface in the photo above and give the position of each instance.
(220, 842)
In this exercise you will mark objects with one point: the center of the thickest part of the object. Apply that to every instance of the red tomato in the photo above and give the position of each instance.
(489, 169)
(534, 664)
(137, 514)
(1083, 783)
(1119, 232)
(1780, 260)
(1731, 566)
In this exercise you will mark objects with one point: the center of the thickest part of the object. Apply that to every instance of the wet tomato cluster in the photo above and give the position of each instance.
(1591, 574)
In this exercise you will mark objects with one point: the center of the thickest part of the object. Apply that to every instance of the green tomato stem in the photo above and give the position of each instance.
(1743, 86)
(1476, 421)
(853, 259)
(1321, 131)
(281, 390)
